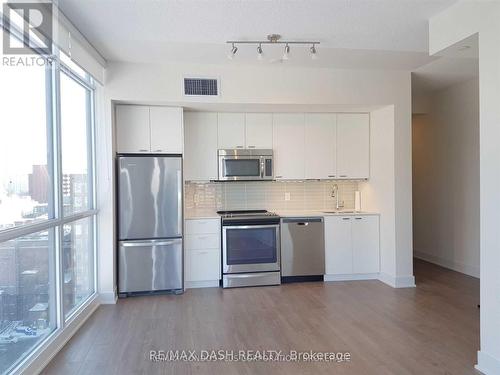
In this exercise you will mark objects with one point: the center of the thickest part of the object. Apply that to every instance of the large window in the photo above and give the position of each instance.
(47, 215)
(25, 183)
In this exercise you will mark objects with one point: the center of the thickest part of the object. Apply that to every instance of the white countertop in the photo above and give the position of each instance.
(321, 213)
(212, 214)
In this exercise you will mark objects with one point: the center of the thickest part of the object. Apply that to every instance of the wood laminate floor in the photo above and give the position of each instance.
(430, 329)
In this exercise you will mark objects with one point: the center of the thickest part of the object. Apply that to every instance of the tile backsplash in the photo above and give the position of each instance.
(302, 195)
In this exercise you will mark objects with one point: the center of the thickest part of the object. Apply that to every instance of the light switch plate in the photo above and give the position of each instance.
(287, 196)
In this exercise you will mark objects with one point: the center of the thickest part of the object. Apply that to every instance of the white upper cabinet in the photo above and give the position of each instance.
(288, 145)
(132, 129)
(142, 129)
(231, 130)
(259, 130)
(200, 144)
(353, 145)
(166, 130)
(320, 145)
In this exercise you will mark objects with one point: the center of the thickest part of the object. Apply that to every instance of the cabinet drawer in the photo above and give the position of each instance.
(202, 241)
(202, 265)
(202, 226)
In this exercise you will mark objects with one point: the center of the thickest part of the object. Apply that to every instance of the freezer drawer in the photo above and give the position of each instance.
(145, 266)
(302, 247)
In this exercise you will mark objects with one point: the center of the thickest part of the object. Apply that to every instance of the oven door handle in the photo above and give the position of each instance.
(250, 226)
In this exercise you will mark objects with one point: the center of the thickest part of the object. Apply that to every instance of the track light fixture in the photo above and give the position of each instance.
(259, 52)
(287, 52)
(272, 39)
(314, 55)
(234, 49)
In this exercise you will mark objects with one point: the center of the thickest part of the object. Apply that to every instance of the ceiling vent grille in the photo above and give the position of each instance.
(201, 86)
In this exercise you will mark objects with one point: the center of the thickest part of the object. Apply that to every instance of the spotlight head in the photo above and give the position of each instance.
(287, 52)
(259, 52)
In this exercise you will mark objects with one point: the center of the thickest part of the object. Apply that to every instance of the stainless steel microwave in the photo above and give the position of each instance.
(245, 165)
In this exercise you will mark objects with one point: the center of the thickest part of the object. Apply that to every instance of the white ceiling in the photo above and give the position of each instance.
(457, 63)
(381, 34)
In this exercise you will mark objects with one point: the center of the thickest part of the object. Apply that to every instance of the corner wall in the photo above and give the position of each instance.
(456, 23)
(446, 179)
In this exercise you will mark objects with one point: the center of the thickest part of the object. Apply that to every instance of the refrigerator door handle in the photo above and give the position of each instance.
(179, 201)
(149, 243)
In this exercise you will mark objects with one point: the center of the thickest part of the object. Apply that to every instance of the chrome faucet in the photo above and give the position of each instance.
(335, 194)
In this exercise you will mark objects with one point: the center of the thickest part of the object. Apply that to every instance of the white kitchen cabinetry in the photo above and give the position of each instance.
(365, 245)
(320, 145)
(338, 245)
(132, 129)
(231, 130)
(352, 249)
(200, 144)
(289, 146)
(353, 145)
(202, 262)
(143, 129)
(166, 126)
(259, 130)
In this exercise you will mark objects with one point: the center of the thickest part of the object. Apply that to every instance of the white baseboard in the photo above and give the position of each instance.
(108, 298)
(44, 354)
(201, 284)
(487, 364)
(397, 281)
(447, 263)
(351, 277)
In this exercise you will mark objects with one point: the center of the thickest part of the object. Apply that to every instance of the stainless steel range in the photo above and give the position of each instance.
(250, 248)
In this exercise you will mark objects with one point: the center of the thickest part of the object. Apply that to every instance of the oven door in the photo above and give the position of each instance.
(250, 248)
(240, 168)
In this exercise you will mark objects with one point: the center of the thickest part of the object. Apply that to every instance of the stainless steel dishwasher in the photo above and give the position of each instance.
(302, 249)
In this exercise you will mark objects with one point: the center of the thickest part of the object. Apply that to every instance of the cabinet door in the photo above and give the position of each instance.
(288, 142)
(365, 244)
(338, 246)
(231, 129)
(166, 130)
(202, 265)
(320, 144)
(353, 145)
(132, 129)
(259, 130)
(200, 155)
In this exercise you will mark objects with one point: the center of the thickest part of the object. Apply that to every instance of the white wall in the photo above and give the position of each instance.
(379, 191)
(446, 179)
(280, 85)
(458, 22)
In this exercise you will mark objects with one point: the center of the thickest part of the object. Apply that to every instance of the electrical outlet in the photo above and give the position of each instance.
(287, 196)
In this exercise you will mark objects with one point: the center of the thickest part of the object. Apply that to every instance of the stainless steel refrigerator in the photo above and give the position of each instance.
(150, 224)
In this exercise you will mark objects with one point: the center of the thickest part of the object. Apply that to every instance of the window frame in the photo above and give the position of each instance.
(54, 67)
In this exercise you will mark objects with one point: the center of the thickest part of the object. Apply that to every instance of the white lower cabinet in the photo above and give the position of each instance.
(352, 249)
(202, 253)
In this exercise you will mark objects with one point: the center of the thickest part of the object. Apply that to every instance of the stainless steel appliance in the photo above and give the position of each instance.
(250, 248)
(302, 249)
(150, 224)
(245, 165)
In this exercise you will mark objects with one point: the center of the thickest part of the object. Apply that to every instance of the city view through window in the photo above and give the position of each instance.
(28, 184)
